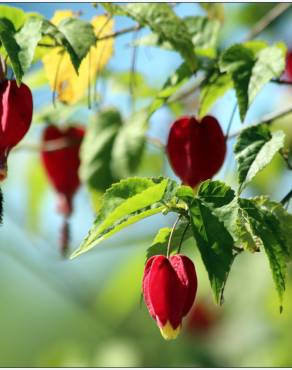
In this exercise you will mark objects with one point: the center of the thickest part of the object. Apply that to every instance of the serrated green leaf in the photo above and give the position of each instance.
(270, 64)
(254, 149)
(284, 217)
(216, 193)
(215, 245)
(180, 76)
(80, 35)
(12, 49)
(27, 39)
(125, 203)
(268, 229)
(252, 65)
(214, 87)
(163, 21)
(160, 242)
(204, 32)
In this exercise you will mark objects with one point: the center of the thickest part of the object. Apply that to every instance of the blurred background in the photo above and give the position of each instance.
(87, 312)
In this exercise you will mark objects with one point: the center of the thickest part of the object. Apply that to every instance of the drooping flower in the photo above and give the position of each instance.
(16, 107)
(196, 149)
(169, 289)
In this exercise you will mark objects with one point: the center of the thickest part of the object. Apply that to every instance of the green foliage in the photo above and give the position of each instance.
(214, 87)
(80, 35)
(164, 22)
(180, 76)
(215, 245)
(160, 242)
(111, 148)
(252, 65)
(12, 49)
(254, 149)
(266, 226)
(27, 39)
(125, 203)
(204, 32)
(15, 15)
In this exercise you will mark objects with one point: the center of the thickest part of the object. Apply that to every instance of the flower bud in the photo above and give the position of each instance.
(196, 149)
(60, 156)
(169, 289)
(16, 107)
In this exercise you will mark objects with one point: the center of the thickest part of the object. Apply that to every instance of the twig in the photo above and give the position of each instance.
(155, 142)
(170, 236)
(268, 119)
(49, 146)
(287, 197)
(230, 121)
(267, 20)
(182, 237)
(133, 70)
(281, 82)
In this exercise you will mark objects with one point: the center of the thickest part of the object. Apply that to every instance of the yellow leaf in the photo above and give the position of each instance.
(60, 15)
(59, 70)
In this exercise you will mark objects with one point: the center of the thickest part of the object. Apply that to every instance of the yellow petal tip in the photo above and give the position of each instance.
(168, 332)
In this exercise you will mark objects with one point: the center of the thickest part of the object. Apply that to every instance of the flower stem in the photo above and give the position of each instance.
(171, 234)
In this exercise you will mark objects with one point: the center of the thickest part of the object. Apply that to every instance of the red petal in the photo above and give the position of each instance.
(164, 293)
(186, 272)
(16, 113)
(196, 150)
(62, 164)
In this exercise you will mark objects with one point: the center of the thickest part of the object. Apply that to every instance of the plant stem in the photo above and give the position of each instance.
(268, 120)
(230, 121)
(267, 19)
(182, 237)
(287, 197)
(171, 234)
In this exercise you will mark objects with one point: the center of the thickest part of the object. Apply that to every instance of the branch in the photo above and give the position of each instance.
(268, 120)
(287, 197)
(281, 82)
(267, 20)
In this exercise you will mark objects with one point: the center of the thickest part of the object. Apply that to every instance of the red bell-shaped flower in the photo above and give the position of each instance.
(169, 289)
(288, 68)
(16, 107)
(60, 156)
(196, 149)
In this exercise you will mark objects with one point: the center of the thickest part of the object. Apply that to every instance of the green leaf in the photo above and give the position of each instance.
(215, 245)
(129, 146)
(160, 242)
(181, 75)
(12, 48)
(254, 149)
(284, 217)
(204, 32)
(216, 193)
(96, 149)
(214, 87)
(268, 229)
(27, 39)
(163, 21)
(270, 64)
(239, 61)
(125, 203)
(80, 35)
(252, 65)
(15, 15)
(112, 149)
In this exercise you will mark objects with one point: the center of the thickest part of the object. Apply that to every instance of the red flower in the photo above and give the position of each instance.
(62, 164)
(196, 149)
(16, 107)
(169, 289)
(288, 69)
